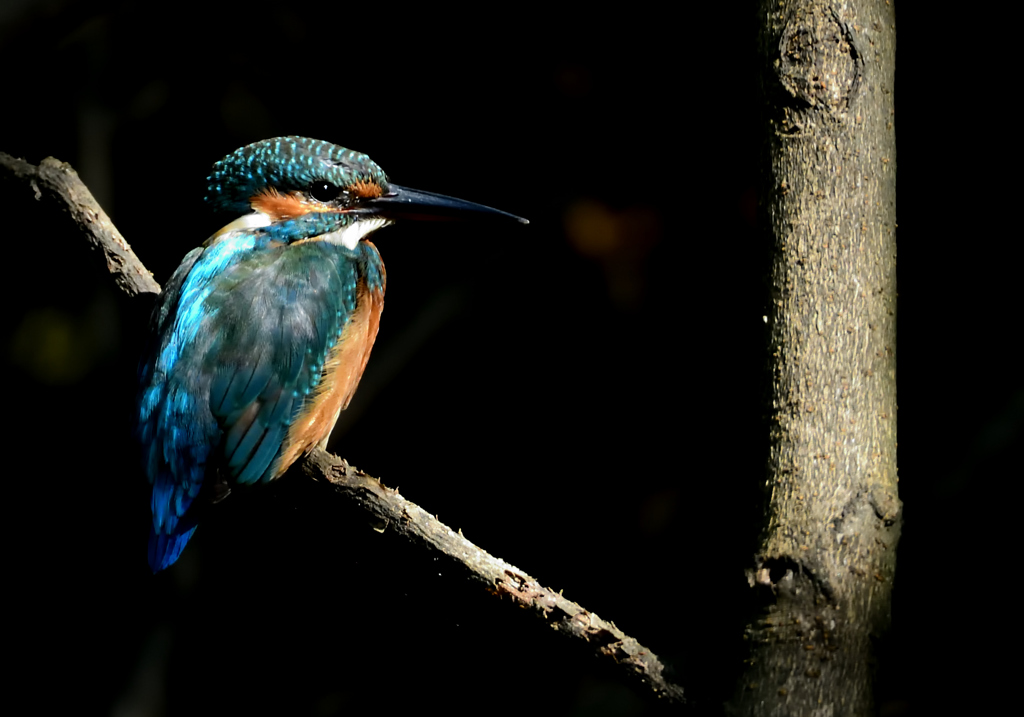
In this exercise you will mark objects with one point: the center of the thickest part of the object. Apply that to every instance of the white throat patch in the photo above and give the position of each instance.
(246, 221)
(349, 236)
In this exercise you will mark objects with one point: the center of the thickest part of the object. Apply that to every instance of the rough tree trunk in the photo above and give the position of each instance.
(825, 565)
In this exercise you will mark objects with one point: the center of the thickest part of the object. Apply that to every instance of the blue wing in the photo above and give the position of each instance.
(243, 329)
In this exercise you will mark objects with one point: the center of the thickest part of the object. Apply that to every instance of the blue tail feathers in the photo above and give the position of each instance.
(165, 549)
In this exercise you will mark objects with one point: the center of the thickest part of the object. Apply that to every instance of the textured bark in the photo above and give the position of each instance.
(825, 565)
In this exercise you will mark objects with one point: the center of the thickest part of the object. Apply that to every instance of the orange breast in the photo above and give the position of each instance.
(342, 370)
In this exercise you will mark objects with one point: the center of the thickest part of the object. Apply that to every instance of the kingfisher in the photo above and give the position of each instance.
(261, 335)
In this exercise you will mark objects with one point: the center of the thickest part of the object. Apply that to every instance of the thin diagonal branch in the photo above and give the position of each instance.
(57, 185)
(390, 511)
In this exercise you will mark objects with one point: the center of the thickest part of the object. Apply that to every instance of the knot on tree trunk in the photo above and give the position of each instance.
(817, 61)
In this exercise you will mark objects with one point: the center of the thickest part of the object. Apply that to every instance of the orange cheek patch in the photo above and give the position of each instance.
(280, 206)
(365, 189)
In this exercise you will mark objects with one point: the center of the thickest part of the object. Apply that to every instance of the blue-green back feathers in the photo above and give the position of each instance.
(244, 326)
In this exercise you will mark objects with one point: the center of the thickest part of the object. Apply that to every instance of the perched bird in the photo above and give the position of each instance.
(262, 333)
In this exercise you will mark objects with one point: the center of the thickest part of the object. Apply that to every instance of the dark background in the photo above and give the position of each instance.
(582, 397)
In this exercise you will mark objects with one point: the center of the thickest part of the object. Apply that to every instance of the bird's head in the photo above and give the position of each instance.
(314, 186)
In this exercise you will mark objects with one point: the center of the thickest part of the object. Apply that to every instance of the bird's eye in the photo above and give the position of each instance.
(323, 191)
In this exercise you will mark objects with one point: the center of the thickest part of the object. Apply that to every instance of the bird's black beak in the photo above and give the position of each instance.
(403, 203)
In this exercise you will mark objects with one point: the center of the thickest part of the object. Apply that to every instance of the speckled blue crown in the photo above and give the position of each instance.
(285, 163)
